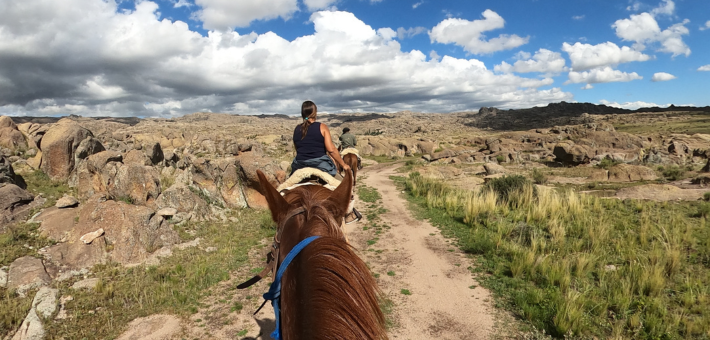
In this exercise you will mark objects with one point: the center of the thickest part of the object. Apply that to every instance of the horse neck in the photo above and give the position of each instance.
(327, 291)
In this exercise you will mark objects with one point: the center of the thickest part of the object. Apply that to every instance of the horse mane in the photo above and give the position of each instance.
(327, 292)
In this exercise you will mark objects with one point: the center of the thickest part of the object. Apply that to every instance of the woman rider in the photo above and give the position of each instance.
(314, 144)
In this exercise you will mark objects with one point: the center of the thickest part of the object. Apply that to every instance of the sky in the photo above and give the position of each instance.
(167, 58)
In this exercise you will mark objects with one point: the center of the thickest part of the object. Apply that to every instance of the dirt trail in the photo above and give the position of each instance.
(442, 304)
(445, 301)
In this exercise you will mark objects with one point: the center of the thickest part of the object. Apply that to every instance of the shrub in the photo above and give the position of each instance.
(539, 177)
(706, 196)
(607, 163)
(500, 158)
(507, 186)
(672, 173)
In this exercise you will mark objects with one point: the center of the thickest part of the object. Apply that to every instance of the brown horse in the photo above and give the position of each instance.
(351, 160)
(327, 291)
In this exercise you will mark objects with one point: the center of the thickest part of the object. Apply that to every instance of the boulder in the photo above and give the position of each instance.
(443, 154)
(631, 173)
(27, 273)
(86, 148)
(154, 152)
(44, 305)
(96, 162)
(13, 200)
(247, 164)
(66, 202)
(136, 157)
(570, 153)
(57, 224)
(10, 136)
(133, 231)
(59, 146)
(493, 169)
(185, 200)
(7, 173)
(139, 183)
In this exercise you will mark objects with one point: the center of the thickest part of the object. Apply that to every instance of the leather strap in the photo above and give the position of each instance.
(272, 257)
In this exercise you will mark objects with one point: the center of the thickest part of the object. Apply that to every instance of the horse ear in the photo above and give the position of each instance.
(277, 204)
(342, 195)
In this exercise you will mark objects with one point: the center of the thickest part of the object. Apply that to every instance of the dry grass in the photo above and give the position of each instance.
(582, 266)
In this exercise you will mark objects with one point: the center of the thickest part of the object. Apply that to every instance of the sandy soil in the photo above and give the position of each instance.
(445, 302)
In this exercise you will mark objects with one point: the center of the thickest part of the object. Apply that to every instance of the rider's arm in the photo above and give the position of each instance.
(330, 147)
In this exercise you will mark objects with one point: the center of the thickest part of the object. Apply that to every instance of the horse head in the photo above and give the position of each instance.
(327, 291)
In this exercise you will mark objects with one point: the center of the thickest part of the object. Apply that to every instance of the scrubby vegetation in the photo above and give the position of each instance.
(176, 285)
(581, 266)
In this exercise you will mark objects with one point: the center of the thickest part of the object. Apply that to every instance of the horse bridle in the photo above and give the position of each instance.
(272, 258)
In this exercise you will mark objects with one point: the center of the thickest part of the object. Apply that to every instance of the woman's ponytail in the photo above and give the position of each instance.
(308, 110)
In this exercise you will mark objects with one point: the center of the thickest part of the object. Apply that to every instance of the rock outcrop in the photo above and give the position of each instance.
(59, 147)
(10, 136)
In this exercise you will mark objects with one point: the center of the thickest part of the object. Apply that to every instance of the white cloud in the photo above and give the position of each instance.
(417, 4)
(631, 105)
(88, 57)
(182, 3)
(403, 33)
(313, 5)
(434, 56)
(544, 61)
(707, 26)
(578, 17)
(634, 7)
(667, 7)
(643, 29)
(704, 68)
(469, 34)
(587, 87)
(586, 56)
(226, 14)
(601, 75)
(662, 76)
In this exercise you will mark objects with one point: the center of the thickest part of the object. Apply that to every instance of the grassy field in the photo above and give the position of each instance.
(698, 123)
(581, 266)
(176, 286)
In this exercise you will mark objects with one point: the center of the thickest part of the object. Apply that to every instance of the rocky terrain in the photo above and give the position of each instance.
(131, 182)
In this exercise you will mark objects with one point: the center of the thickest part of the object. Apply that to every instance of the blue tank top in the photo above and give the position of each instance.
(312, 146)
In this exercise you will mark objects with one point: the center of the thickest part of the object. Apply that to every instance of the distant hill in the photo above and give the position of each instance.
(561, 113)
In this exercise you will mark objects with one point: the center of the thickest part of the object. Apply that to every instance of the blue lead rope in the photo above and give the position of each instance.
(274, 293)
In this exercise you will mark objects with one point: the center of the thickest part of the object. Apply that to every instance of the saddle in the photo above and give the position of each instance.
(300, 177)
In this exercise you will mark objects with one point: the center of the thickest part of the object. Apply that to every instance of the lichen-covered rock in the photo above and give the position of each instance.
(27, 273)
(139, 183)
(10, 136)
(571, 153)
(631, 173)
(13, 200)
(58, 147)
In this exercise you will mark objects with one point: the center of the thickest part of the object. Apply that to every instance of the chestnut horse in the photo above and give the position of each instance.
(327, 291)
(351, 160)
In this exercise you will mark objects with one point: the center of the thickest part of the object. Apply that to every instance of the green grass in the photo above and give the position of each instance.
(699, 122)
(548, 259)
(390, 273)
(176, 286)
(405, 292)
(39, 182)
(14, 239)
(368, 194)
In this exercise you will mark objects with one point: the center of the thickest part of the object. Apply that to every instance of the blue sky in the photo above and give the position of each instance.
(174, 57)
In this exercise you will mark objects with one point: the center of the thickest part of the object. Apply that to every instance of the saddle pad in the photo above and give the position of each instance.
(301, 174)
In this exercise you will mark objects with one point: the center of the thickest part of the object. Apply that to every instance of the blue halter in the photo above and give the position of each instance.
(274, 293)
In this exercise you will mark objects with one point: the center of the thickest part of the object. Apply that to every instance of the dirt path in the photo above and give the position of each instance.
(445, 301)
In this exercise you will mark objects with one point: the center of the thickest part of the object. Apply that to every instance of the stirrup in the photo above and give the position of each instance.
(357, 217)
